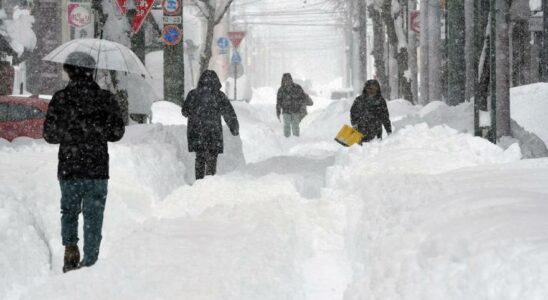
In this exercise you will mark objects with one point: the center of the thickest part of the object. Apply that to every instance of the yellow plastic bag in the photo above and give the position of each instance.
(348, 136)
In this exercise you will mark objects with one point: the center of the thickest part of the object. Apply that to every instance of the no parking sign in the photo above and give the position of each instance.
(172, 35)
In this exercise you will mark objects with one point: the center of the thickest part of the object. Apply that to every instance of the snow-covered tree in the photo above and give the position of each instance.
(393, 18)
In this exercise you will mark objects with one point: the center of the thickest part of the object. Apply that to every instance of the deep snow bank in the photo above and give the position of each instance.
(436, 214)
(529, 107)
(145, 166)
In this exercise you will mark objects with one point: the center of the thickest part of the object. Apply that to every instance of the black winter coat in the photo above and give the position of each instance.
(83, 118)
(291, 99)
(204, 108)
(368, 115)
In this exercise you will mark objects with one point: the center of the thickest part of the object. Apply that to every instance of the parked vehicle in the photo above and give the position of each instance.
(20, 116)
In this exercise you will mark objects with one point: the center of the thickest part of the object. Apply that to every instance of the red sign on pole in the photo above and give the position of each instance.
(236, 37)
(122, 6)
(172, 7)
(143, 7)
(415, 21)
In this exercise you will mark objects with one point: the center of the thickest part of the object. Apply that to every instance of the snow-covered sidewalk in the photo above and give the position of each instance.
(427, 213)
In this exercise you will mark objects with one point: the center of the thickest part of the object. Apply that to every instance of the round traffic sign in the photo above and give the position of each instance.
(172, 35)
(172, 7)
(223, 42)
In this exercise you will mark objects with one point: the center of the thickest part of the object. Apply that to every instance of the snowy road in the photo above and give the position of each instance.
(428, 213)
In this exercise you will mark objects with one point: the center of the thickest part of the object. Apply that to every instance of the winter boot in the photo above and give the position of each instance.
(72, 258)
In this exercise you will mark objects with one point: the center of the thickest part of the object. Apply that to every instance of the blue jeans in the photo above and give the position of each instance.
(87, 196)
(291, 123)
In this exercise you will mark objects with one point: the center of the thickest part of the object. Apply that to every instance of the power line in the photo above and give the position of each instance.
(297, 24)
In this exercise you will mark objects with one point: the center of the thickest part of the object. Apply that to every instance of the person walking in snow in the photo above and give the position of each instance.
(369, 112)
(204, 107)
(291, 103)
(82, 118)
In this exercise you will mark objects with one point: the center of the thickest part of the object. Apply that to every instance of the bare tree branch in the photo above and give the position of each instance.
(197, 4)
(209, 7)
(220, 17)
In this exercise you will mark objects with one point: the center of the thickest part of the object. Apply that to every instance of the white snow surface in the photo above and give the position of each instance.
(429, 212)
(19, 31)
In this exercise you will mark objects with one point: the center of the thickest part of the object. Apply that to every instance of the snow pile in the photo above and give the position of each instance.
(461, 118)
(419, 150)
(469, 234)
(29, 232)
(529, 107)
(167, 113)
(159, 156)
(19, 31)
(436, 214)
(264, 95)
(148, 164)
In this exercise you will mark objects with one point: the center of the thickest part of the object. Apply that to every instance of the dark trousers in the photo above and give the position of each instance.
(206, 164)
(87, 196)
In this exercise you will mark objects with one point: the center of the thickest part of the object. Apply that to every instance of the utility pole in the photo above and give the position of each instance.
(544, 54)
(174, 66)
(493, 73)
(362, 17)
(503, 69)
(349, 44)
(412, 48)
(435, 48)
(469, 49)
(424, 88)
(137, 39)
(456, 55)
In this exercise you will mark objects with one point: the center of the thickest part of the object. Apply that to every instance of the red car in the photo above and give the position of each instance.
(20, 116)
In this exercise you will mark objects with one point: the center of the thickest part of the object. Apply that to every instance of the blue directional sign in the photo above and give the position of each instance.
(223, 42)
(236, 58)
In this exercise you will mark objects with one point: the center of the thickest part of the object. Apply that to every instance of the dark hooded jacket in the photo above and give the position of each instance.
(369, 114)
(291, 97)
(204, 107)
(82, 118)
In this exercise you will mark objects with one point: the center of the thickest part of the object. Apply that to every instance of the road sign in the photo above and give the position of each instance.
(172, 19)
(122, 6)
(236, 37)
(172, 35)
(415, 21)
(79, 14)
(172, 7)
(236, 58)
(143, 7)
(223, 42)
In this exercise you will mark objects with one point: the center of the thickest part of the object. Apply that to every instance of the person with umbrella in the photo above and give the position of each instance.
(132, 87)
(204, 107)
(82, 118)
